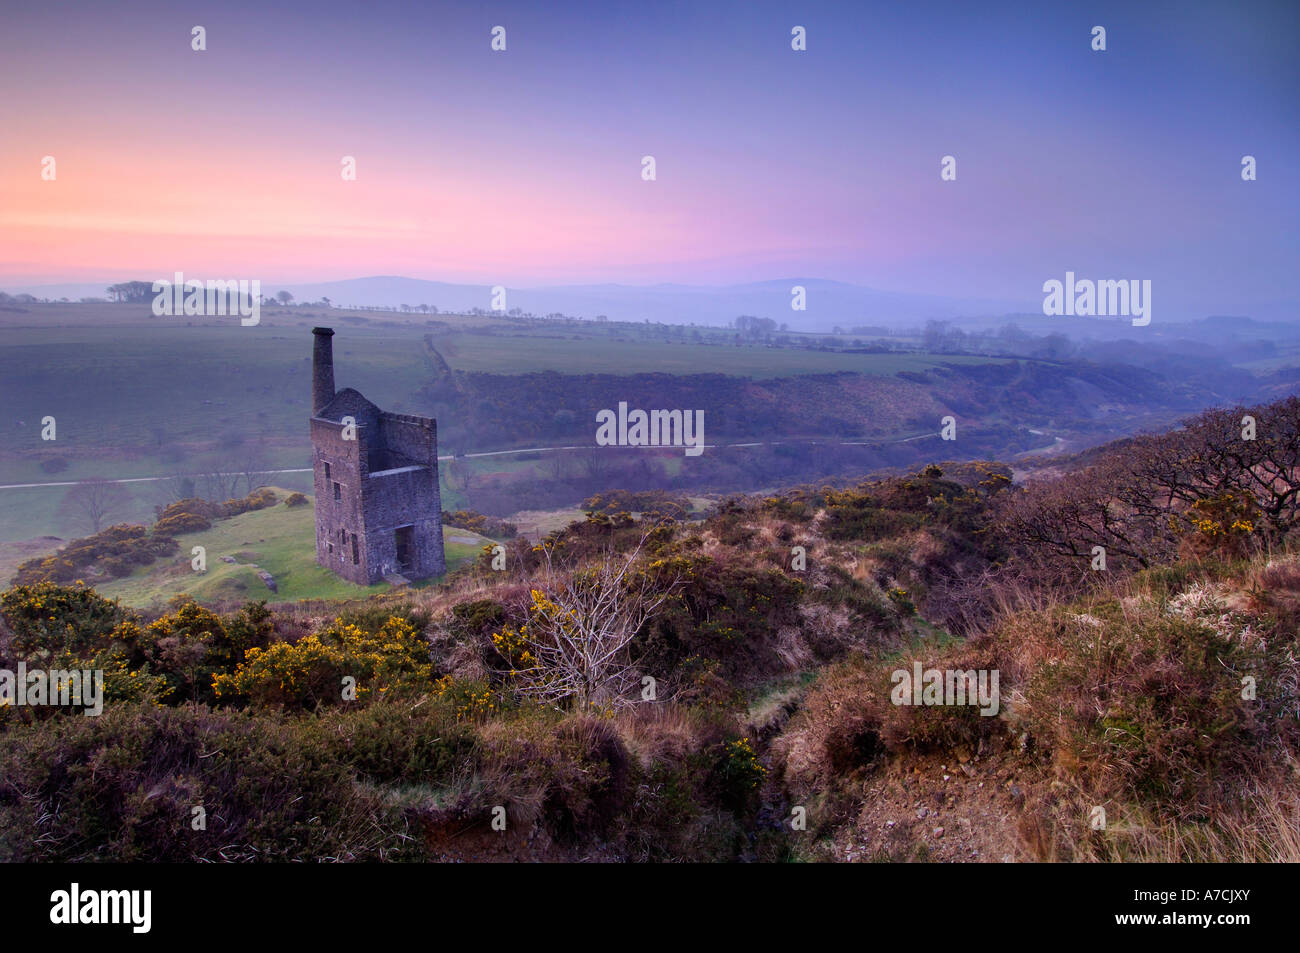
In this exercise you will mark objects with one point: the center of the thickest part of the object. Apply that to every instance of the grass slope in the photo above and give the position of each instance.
(279, 539)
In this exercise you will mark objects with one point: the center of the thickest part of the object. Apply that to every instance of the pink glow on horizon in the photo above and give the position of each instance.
(280, 209)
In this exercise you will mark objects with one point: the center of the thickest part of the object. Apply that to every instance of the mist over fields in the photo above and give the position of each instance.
(831, 303)
(202, 404)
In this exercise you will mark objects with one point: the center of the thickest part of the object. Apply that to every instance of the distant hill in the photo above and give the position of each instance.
(829, 303)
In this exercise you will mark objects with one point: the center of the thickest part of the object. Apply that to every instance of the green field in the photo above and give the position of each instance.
(139, 396)
(139, 390)
(136, 396)
(37, 511)
(279, 539)
(596, 355)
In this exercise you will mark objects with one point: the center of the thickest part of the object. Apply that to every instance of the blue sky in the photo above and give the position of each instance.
(524, 166)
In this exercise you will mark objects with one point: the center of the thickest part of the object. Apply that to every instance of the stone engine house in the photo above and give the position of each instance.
(378, 507)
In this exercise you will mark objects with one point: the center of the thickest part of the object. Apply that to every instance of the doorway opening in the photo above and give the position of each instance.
(404, 538)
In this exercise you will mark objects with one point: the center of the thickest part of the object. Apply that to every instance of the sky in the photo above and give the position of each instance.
(524, 167)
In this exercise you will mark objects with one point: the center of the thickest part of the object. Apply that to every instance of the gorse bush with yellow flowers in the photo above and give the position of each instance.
(192, 654)
(1221, 526)
(123, 685)
(46, 617)
(469, 700)
(115, 551)
(740, 770)
(168, 661)
(310, 673)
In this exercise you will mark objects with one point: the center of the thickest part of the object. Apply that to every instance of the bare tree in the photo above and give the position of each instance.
(1226, 455)
(1069, 516)
(577, 643)
(217, 482)
(594, 462)
(93, 501)
(460, 475)
(176, 487)
(183, 486)
(250, 461)
(557, 465)
(1143, 498)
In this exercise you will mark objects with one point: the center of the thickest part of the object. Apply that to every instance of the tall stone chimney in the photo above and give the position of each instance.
(322, 369)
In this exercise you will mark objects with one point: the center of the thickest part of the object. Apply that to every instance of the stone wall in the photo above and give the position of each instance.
(348, 468)
(405, 497)
(373, 506)
(387, 481)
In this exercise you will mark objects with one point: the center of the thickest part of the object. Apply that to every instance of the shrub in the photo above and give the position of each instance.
(372, 618)
(400, 743)
(191, 506)
(739, 771)
(469, 699)
(1148, 705)
(1221, 526)
(653, 504)
(734, 531)
(724, 611)
(794, 506)
(478, 523)
(476, 619)
(49, 569)
(108, 550)
(182, 523)
(310, 672)
(47, 619)
(574, 775)
(187, 647)
(117, 567)
(123, 787)
(899, 597)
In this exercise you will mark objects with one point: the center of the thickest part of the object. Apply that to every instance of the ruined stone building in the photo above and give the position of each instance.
(378, 508)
